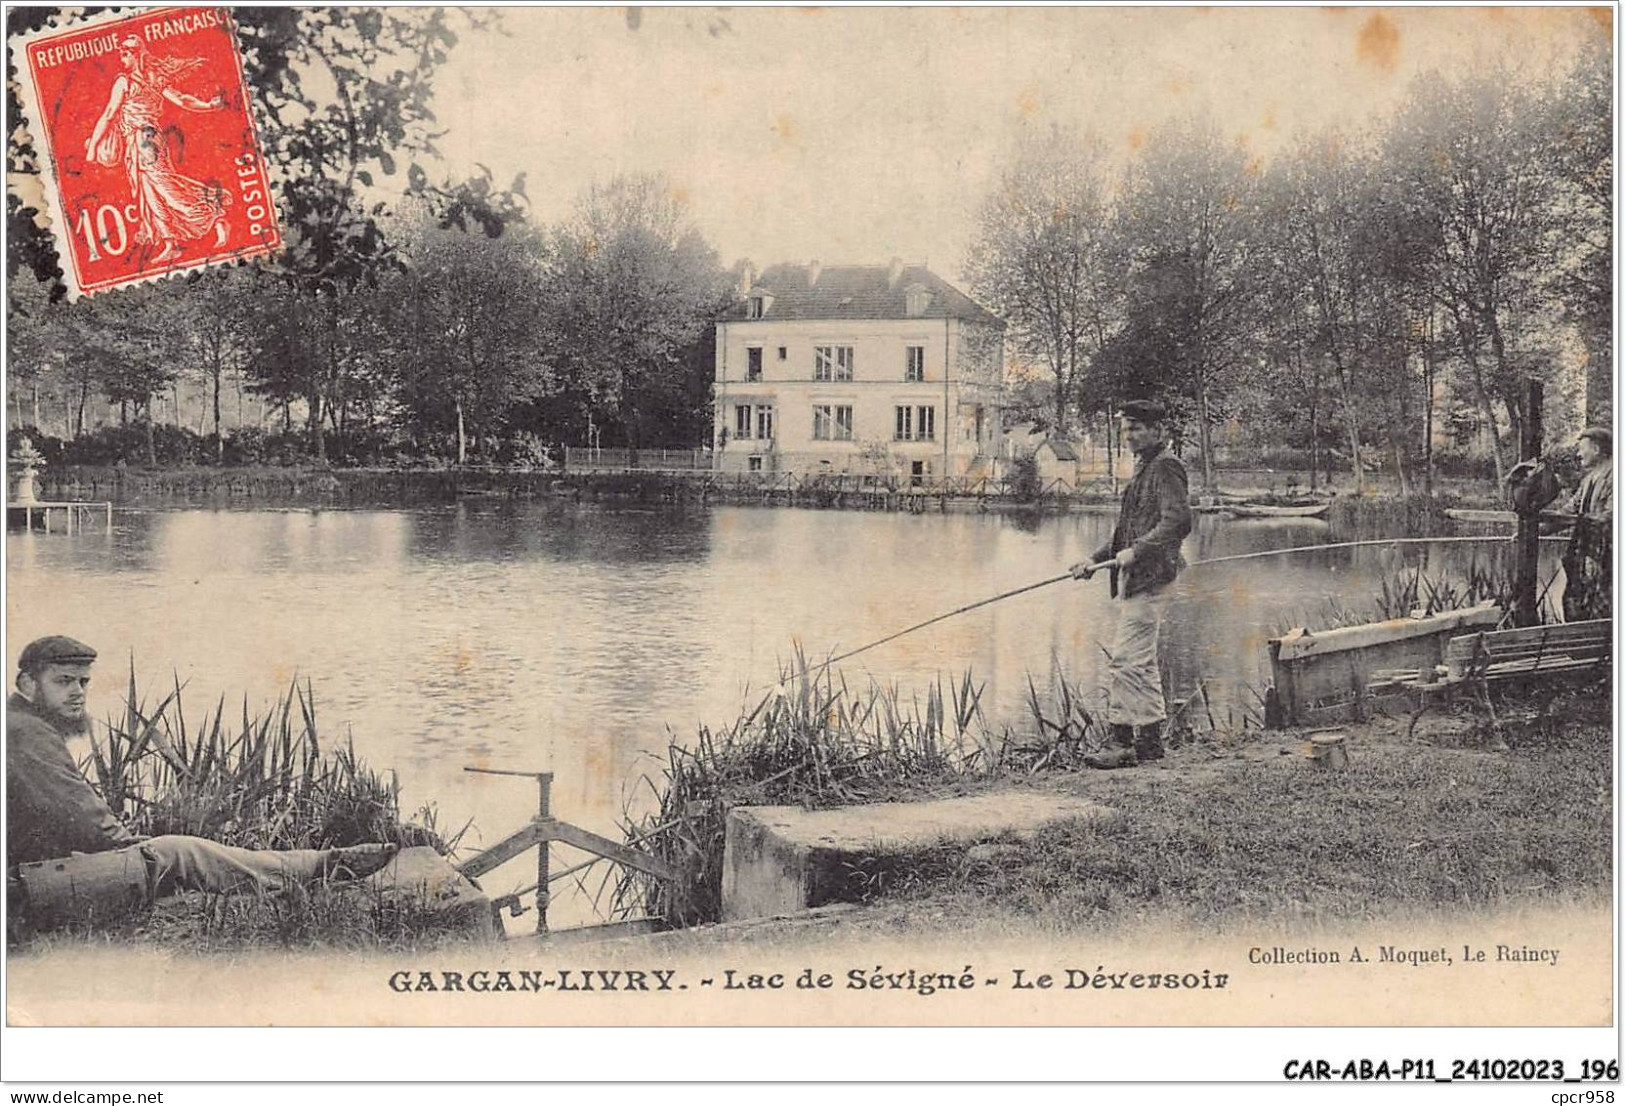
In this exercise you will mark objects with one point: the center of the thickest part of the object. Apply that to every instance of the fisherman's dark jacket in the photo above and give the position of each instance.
(1154, 519)
(50, 810)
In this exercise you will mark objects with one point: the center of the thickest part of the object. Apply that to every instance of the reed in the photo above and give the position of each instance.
(1486, 580)
(816, 741)
(1405, 590)
(262, 781)
(265, 781)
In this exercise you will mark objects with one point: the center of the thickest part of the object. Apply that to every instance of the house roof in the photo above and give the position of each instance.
(860, 292)
(1060, 447)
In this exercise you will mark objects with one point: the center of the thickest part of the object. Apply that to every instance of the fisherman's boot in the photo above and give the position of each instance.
(1148, 742)
(1119, 750)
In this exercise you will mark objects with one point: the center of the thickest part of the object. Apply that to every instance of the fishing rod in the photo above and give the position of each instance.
(1103, 565)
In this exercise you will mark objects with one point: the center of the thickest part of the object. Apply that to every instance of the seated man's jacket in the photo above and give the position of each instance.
(51, 811)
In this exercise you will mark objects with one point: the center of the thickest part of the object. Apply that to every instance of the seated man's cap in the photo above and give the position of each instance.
(1144, 410)
(1602, 436)
(56, 649)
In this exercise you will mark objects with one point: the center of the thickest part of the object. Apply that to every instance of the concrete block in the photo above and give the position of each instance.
(782, 859)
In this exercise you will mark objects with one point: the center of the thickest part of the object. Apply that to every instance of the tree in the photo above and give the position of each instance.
(631, 289)
(1580, 147)
(131, 340)
(30, 343)
(380, 64)
(216, 313)
(1188, 219)
(1466, 156)
(1313, 202)
(1042, 260)
(468, 308)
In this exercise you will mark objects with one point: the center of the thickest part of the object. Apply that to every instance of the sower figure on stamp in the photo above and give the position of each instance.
(171, 207)
(1152, 522)
(53, 813)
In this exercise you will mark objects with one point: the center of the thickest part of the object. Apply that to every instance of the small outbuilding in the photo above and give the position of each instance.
(1057, 459)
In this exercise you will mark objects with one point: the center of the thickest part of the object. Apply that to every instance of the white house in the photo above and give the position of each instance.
(887, 370)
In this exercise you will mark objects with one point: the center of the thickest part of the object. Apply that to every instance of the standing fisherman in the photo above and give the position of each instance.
(1144, 553)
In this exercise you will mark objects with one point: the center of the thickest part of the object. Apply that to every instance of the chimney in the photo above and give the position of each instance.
(895, 273)
(747, 277)
(813, 272)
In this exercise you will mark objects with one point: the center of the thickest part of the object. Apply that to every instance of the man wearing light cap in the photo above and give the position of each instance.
(1144, 556)
(52, 813)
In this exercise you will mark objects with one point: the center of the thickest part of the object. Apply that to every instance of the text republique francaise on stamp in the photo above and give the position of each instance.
(148, 155)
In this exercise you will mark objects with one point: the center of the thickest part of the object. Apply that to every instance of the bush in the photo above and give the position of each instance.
(1024, 482)
(250, 446)
(526, 448)
(245, 445)
(176, 445)
(107, 445)
(361, 445)
(112, 445)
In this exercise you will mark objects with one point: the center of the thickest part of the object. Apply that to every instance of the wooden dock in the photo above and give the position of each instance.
(74, 515)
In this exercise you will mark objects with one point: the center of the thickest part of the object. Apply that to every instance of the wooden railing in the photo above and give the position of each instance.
(580, 458)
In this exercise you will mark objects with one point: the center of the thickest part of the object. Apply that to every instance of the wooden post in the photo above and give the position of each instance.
(1526, 571)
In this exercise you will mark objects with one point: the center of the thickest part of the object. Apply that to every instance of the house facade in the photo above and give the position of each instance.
(884, 370)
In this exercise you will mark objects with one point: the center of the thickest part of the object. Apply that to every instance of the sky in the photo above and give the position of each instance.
(854, 135)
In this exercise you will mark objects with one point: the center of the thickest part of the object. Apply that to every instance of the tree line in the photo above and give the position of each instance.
(1358, 295)
(1355, 297)
(440, 323)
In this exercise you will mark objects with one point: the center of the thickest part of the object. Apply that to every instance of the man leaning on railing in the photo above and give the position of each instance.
(1588, 590)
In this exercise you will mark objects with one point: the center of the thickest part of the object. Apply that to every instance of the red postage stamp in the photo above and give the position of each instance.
(148, 154)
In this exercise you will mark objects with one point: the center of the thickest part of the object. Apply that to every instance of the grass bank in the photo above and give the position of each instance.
(1217, 838)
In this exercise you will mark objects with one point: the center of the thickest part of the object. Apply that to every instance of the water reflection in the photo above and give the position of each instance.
(549, 635)
(501, 529)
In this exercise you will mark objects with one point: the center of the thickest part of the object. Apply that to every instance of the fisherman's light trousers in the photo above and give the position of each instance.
(176, 863)
(1133, 680)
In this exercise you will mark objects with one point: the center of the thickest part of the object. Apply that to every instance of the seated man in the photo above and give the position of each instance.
(52, 812)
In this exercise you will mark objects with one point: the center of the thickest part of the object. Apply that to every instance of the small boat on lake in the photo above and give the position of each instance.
(1264, 510)
(1466, 514)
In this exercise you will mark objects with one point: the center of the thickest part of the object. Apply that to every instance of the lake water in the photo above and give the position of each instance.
(581, 640)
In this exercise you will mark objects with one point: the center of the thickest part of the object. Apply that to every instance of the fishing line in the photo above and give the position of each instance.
(1230, 559)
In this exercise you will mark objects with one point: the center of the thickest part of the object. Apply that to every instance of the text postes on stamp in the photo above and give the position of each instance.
(148, 153)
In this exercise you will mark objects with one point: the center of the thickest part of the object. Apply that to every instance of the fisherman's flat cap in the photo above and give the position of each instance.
(1602, 436)
(1144, 410)
(56, 649)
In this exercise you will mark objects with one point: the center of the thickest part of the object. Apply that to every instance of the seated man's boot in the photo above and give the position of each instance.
(1119, 750)
(1148, 742)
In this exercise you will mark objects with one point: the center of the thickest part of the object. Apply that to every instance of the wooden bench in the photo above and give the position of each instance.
(1476, 661)
(1510, 654)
